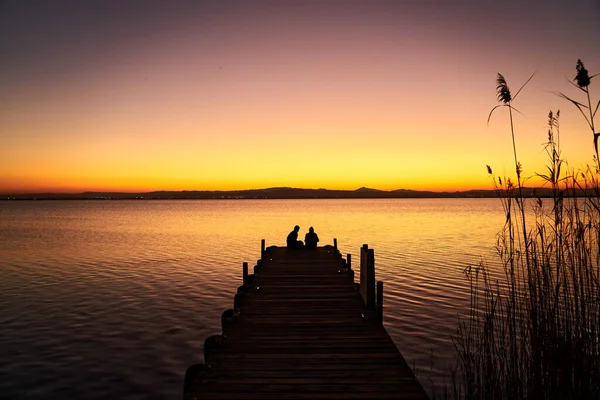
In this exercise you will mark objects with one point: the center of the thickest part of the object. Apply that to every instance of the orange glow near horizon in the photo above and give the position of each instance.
(204, 98)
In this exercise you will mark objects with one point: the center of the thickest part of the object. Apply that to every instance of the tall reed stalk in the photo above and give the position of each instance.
(533, 329)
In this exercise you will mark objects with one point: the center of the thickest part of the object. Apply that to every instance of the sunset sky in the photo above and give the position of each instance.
(210, 95)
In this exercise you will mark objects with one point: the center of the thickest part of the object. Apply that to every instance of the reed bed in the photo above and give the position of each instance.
(533, 330)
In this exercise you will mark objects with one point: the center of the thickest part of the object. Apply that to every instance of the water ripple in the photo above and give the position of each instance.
(114, 299)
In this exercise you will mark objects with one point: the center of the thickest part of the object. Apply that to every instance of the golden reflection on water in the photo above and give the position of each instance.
(145, 281)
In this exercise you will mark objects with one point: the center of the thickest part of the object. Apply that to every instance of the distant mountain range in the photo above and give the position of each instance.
(272, 193)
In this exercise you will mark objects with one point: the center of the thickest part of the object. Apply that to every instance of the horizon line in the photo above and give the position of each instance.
(362, 188)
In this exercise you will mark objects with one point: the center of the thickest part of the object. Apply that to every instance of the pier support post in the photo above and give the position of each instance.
(371, 279)
(367, 276)
(262, 248)
(244, 273)
(335, 245)
(380, 302)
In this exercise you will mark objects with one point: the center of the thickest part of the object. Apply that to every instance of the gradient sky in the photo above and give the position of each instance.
(181, 95)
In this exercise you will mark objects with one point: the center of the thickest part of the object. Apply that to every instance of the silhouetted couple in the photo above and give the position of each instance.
(310, 240)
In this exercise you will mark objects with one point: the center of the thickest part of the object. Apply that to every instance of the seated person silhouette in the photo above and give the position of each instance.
(292, 239)
(311, 239)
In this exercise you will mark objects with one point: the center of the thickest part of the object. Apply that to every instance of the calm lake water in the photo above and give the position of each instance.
(113, 299)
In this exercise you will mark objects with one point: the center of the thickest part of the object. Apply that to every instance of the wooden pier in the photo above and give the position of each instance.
(302, 329)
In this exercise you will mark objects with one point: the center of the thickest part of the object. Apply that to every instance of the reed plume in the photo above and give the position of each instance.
(583, 82)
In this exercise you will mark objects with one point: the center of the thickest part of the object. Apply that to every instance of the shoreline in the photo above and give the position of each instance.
(281, 193)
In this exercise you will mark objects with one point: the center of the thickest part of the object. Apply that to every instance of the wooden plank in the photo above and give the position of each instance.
(303, 332)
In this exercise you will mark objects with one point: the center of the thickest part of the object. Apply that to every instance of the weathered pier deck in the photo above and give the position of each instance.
(304, 331)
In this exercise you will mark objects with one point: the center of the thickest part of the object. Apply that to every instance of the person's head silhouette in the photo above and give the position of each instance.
(296, 228)
(311, 230)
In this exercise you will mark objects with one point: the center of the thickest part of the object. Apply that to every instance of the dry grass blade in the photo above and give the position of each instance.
(544, 177)
(502, 105)
(517, 110)
(526, 82)
(596, 109)
(564, 96)
(577, 104)
(490, 116)
(578, 87)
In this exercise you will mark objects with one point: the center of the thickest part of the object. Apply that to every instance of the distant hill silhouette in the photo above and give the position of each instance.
(272, 193)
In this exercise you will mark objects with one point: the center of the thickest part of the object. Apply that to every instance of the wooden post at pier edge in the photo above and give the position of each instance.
(335, 244)
(380, 302)
(244, 273)
(262, 248)
(367, 276)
